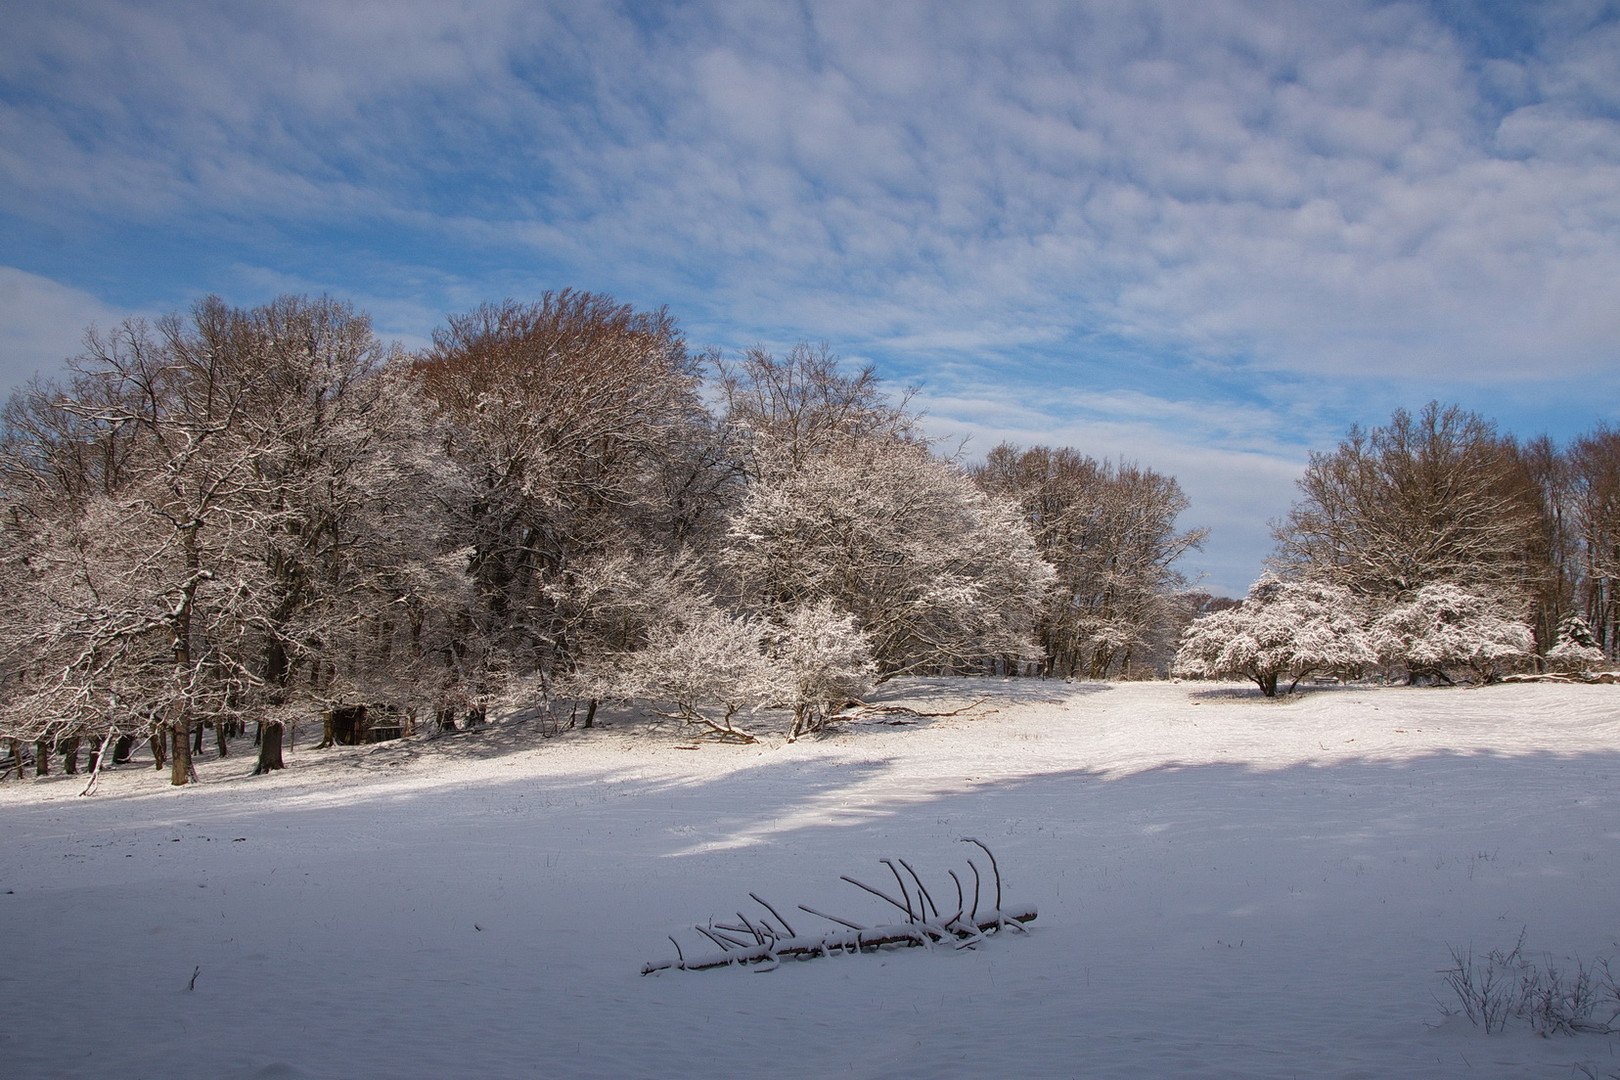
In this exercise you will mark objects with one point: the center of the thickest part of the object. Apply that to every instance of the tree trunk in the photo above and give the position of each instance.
(42, 757)
(269, 749)
(123, 749)
(590, 713)
(70, 755)
(180, 769)
(222, 733)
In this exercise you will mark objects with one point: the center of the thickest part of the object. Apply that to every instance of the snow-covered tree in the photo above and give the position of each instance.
(1444, 627)
(844, 502)
(1282, 629)
(823, 660)
(1110, 532)
(156, 600)
(711, 665)
(935, 571)
(1577, 648)
(222, 516)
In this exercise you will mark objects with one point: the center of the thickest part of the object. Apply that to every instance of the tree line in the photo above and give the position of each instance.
(1433, 546)
(237, 518)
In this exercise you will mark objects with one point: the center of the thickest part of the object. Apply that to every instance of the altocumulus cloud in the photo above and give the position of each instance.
(1202, 236)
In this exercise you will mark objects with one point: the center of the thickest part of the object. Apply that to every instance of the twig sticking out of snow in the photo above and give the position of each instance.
(759, 941)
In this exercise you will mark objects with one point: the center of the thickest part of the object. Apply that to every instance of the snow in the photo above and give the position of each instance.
(1227, 887)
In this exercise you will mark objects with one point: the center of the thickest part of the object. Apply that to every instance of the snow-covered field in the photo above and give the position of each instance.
(1228, 887)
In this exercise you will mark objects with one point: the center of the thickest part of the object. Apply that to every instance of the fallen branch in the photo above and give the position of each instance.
(721, 730)
(759, 941)
(861, 710)
(1589, 677)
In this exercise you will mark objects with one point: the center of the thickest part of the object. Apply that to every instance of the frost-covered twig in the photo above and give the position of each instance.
(850, 941)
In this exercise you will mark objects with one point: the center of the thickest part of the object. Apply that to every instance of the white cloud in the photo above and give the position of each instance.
(1240, 191)
(42, 323)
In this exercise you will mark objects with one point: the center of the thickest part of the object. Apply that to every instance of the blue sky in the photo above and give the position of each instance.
(1207, 236)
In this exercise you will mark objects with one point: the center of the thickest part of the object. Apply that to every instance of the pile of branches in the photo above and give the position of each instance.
(764, 942)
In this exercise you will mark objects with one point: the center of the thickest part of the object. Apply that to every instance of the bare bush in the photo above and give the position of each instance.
(1505, 985)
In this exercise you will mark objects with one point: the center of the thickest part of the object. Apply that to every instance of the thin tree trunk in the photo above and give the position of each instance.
(42, 757)
(222, 732)
(96, 758)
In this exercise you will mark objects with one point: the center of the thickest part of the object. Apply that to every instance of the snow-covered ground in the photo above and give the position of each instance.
(1228, 887)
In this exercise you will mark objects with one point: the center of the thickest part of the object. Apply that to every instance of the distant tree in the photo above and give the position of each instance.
(1443, 627)
(845, 503)
(1544, 479)
(1110, 533)
(785, 412)
(568, 419)
(1203, 603)
(1577, 648)
(1594, 494)
(935, 572)
(1282, 629)
(1428, 499)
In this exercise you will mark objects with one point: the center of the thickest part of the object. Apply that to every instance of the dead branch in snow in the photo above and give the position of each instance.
(1605, 677)
(902, 714)
(761, 941)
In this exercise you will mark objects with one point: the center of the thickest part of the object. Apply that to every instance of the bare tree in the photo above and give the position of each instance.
(1437, 497)
(785, 412)
(1594, 466)
(1110, 533)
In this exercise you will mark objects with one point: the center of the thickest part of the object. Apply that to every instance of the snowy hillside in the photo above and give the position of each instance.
(1227, 887)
